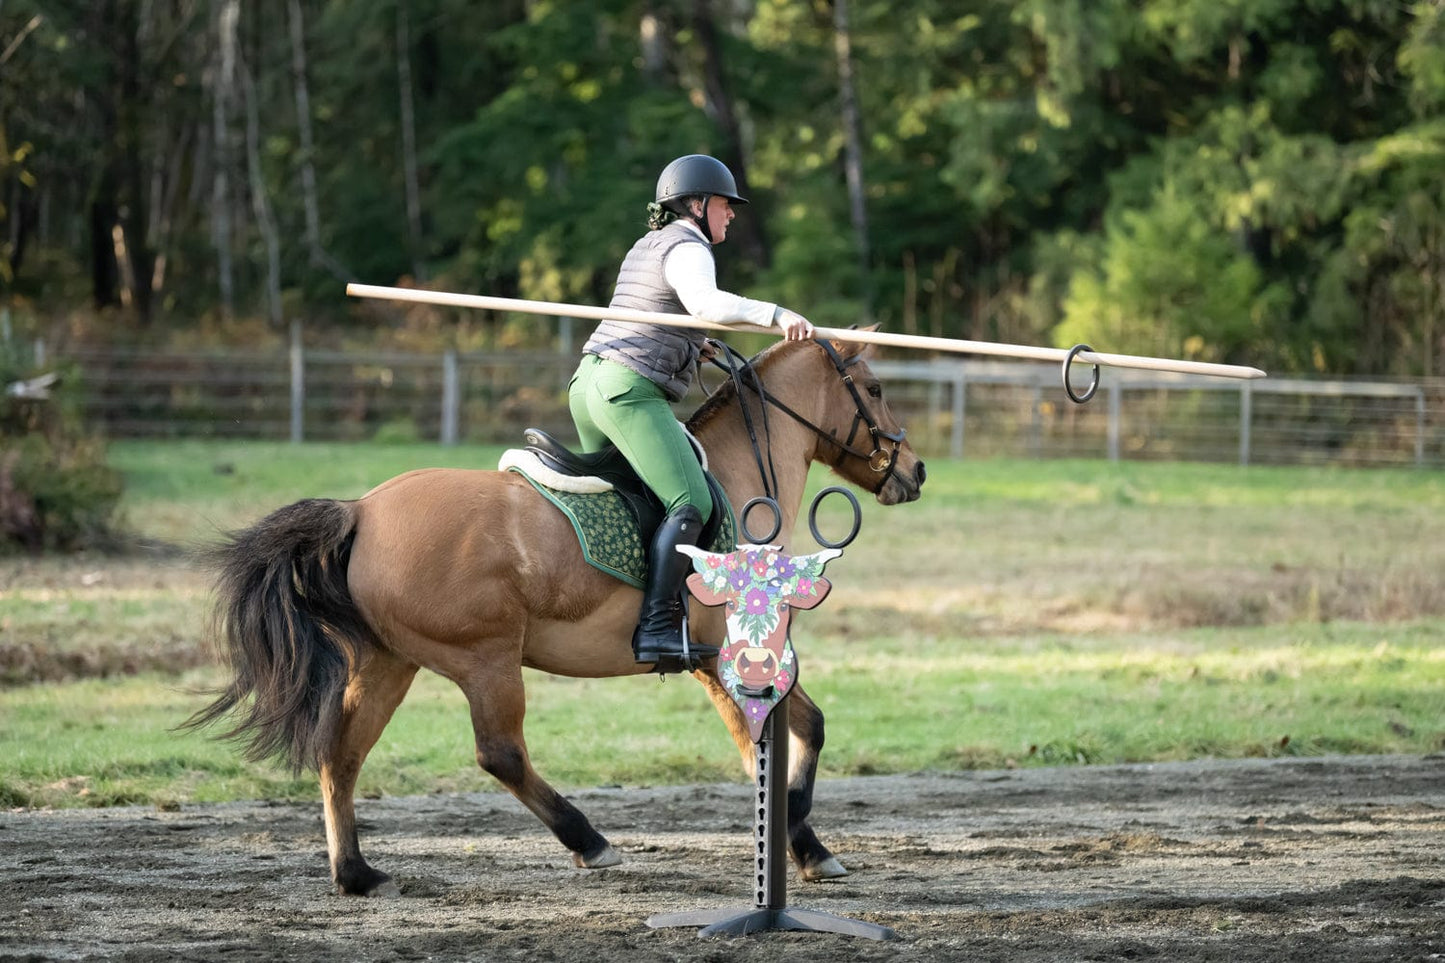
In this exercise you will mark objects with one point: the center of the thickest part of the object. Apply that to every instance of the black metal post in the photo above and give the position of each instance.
(770, 909)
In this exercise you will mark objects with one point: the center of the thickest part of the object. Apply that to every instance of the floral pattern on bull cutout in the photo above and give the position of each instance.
(759, 585)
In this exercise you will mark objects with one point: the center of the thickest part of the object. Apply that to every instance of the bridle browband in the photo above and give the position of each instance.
(881, 461)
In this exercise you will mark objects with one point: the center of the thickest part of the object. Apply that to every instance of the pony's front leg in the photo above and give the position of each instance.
(498, 703)
(805, 731)
(372, 695)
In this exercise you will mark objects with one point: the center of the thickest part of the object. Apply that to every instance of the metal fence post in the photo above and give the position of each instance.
(960, 398)
(1419, 427)
(565, 336)
(1036, 421)
(1115, 411)
(451, 397)
(935, 404)
(1246, 406)
(298, 384)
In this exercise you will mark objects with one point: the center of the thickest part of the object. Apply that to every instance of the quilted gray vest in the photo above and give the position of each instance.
(663, 355)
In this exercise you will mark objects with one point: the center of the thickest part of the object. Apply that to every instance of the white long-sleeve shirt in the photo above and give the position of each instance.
(692, 273)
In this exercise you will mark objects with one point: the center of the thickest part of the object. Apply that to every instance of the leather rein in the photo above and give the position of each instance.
(882, 461)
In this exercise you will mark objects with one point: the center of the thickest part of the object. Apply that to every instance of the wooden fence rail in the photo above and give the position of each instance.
(951, 407)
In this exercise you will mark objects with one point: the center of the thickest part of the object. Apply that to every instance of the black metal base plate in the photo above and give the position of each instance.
(741, 922)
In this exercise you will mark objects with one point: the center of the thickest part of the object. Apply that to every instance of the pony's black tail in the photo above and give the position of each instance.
(289, 630)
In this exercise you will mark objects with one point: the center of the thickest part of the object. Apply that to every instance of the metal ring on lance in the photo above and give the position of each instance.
(1068, 388)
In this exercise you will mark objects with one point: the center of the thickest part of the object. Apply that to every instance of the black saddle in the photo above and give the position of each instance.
(610, 465)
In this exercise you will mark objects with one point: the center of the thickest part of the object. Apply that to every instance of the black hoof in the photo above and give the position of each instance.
(362, 880)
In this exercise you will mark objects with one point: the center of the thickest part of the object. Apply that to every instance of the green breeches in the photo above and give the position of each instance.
(612, 403)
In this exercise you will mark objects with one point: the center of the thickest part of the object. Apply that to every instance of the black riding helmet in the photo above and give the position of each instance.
(696, 175)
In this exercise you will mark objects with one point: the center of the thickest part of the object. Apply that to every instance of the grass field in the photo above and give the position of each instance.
(1022, 613)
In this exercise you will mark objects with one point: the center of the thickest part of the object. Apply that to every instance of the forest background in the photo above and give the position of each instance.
(1232, 180)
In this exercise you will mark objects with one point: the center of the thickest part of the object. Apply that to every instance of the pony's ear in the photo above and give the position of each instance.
(848, 349)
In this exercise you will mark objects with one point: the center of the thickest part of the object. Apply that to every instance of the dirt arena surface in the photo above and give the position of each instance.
(1335, 860)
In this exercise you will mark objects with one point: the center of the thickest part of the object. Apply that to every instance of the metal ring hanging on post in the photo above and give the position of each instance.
(777, 520)
(813, 518)
(1068, 388)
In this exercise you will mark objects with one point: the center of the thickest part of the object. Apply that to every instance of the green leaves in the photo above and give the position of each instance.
(1223, 178)
(1422, 56)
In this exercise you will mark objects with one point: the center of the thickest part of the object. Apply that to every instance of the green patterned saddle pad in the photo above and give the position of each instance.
(608, 531)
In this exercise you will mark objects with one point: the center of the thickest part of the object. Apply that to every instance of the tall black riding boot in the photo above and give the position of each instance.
(659, 627)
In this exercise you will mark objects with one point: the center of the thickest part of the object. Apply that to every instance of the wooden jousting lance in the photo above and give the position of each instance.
(1067, 356)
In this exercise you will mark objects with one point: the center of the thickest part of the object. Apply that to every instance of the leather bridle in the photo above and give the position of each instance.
(880, 459)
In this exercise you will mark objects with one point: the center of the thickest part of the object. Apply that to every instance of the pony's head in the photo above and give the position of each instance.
(828, 387)
(860, 438)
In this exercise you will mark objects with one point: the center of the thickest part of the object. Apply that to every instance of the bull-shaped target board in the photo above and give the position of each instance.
(760, 586)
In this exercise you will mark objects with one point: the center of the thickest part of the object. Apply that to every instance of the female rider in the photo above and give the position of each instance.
(630, 373)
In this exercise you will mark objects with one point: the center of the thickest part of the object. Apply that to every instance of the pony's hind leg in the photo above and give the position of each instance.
(498, 703)
(375, 689)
